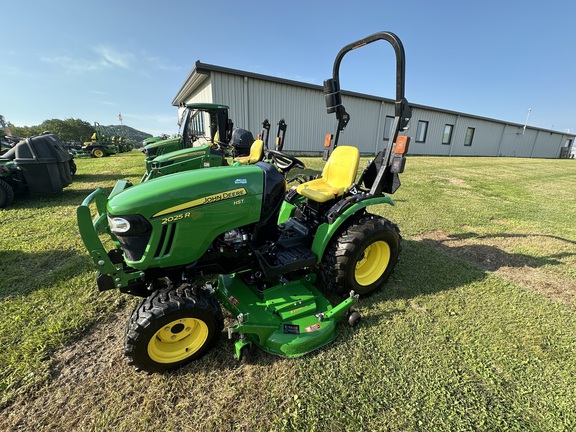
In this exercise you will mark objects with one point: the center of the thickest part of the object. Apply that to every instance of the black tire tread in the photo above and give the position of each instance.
(162, 303)
(339, 250)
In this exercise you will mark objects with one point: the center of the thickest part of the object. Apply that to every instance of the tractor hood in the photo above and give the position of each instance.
(201, 151)
(172, 220)
(162, 143)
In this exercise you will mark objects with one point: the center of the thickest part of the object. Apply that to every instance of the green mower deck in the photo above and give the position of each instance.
(289, 319)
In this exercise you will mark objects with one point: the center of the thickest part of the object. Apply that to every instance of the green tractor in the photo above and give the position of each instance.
(193, 242)
(196, 146)
(99, 144)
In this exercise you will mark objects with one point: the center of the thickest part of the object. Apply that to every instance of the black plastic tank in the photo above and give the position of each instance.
(44, 162)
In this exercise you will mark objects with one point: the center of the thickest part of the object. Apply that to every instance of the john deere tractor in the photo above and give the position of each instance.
(196, 146)
(234, 237)
(99, 145)
(200, 146)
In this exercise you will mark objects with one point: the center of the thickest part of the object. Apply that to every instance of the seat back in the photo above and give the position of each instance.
(256, 151)
(256, 154)
(340, 169)
(338, 175)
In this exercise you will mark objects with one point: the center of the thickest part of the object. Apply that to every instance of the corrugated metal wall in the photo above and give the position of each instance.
(203, 93)
(252, 100)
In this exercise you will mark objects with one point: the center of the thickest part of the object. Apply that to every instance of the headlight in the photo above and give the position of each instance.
(131, 225)
(118, 225)
(133, 232)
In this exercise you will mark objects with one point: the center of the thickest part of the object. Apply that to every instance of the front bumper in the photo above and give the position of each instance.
(112, 270)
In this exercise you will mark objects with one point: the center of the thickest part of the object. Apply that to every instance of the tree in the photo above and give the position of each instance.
(69, 130)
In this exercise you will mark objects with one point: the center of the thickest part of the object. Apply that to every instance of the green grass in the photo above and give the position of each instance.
(470, 333)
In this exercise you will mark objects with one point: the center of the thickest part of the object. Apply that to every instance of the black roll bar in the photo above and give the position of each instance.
(386, 179)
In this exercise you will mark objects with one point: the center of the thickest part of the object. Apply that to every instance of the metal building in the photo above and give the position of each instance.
(433, 131)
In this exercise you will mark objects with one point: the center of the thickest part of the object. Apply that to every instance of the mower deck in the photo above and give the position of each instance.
(290, 319)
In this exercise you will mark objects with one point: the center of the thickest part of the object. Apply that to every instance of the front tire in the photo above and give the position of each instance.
(98, 153)
(171, 328)
(362, 257)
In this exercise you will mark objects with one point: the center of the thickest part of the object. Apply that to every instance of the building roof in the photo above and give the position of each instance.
(201, 71)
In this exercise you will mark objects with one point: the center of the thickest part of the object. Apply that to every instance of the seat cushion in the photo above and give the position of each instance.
(338, 175)
(319, 190)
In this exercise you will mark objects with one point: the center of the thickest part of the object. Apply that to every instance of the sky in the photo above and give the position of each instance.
(508, 60)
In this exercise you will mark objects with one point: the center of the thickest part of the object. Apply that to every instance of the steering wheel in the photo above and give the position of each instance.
(284, 162)
(221, 145)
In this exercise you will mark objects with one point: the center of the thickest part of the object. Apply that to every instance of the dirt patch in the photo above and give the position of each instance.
(79, 368)
(519, 258)
(458, 182)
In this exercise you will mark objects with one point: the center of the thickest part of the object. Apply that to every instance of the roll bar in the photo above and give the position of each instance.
(388, 164)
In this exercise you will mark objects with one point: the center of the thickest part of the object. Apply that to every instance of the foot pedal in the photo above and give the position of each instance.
(290, 195)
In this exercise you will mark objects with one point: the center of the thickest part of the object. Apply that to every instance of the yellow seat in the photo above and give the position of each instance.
(256, 150)
(338, 175)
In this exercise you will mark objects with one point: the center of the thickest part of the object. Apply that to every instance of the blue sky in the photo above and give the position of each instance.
(93, 60)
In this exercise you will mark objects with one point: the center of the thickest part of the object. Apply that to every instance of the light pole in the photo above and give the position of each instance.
(526, 122)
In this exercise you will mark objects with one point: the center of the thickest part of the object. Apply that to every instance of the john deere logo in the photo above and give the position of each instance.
(200, 153)
(234, 193)
(224, 195)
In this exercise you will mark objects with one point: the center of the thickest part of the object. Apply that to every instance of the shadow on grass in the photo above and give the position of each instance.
(492, 258)
(40, 202)
(25, 272)
(96, 178)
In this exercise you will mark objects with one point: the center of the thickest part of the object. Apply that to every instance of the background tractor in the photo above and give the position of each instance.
(100, 145)
(205, 131)
(207, 138)
(235, 237)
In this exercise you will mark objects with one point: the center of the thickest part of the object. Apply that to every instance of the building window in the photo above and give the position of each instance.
(447, 137)
(421, 131)
(388, 122)
(469, 136)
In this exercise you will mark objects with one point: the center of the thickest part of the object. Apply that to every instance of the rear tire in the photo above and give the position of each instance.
(362, 257)
(6, 194)
(171, 328)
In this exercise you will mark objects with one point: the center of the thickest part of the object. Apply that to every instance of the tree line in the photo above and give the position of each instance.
(71, 130)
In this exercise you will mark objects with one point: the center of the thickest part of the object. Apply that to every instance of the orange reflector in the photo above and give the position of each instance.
(277, 141)
(328, 140)
(401, 144)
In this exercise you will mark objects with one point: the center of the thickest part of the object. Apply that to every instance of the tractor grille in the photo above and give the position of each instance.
(166, 239)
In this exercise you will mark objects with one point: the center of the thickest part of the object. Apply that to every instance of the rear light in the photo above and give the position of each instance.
(402, 143)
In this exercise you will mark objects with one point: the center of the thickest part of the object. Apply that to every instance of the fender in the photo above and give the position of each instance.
(326, 230)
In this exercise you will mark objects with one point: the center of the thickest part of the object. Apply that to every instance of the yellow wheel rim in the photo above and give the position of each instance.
(98, 153)
(372, 263)
(178, 340)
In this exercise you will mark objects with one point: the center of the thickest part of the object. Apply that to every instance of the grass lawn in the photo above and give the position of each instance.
(475, 330)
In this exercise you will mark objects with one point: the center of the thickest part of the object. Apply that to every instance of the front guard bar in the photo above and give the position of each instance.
(91, 227)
